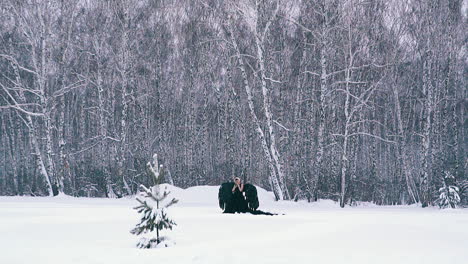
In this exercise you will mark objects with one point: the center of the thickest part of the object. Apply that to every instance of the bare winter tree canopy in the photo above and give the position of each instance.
(351, 100)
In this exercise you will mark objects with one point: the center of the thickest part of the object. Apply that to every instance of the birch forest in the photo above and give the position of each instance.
(350, 100)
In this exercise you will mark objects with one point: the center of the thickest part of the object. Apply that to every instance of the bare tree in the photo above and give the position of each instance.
(345, 100)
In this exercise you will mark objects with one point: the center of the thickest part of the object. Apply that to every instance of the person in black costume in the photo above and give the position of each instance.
(237, 197)
(239, 203)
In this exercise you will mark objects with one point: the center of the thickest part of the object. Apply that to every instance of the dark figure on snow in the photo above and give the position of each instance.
(237, 197)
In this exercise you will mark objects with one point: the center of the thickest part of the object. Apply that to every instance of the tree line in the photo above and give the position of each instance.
(351, 100)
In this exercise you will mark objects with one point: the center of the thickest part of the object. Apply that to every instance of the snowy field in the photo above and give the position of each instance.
(82, 230)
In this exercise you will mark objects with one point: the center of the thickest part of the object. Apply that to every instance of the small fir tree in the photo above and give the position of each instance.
(154, 215)
(448, 193)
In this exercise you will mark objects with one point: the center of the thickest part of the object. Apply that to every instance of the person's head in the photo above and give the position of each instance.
(237, 180)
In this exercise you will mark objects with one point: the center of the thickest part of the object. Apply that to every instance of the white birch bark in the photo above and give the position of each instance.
(344, 155)
(322, 105)
(411, 188)
(269, 119)
(43, 69)
(124, 68)
(64, 170)
(427, 90)
(28, 121)
(62, 154)
(12, 143)
(123, 122)
(39, 162)
(273, 178)
(301, 176)
(259, 42)
(103, 127)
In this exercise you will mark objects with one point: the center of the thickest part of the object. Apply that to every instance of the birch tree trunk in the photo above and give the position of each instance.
(303, 181)
(25, 116)
(269, 119)
(63, 172)
(273, 177)
(322, 104)
(403, 156)
(64, 167)
(42, 67)
(123, 17)
(428, 106)
(260, 47)
(159, 84)
(11, 142)
(344, 155)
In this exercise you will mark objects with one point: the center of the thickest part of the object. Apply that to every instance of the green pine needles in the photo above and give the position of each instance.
(154, 215)
(449, 193)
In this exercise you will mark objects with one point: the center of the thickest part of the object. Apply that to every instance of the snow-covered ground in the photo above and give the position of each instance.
(82, 230)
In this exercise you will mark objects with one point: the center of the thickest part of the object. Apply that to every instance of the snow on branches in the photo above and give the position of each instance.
(449, 193)
(154, 215)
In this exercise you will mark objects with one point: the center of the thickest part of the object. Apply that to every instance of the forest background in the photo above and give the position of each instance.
(352, 100)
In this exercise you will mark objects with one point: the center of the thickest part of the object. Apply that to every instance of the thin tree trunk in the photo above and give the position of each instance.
(37, 154)
(344, 156)
(403, 156)
(269, 119)
(321, 129)
(64, 168)
(425, 176)
(12, 143)
(273, 178)
(41, 168)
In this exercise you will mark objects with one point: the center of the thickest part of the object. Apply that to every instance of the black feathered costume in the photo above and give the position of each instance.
(239, 202)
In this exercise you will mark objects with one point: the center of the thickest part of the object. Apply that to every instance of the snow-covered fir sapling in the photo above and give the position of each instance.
(154, 216)
(449, 195)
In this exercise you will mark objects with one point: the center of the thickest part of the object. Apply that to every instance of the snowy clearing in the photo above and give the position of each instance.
(85, 230)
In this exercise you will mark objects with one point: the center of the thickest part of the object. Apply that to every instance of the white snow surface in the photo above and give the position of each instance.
(62, 230)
